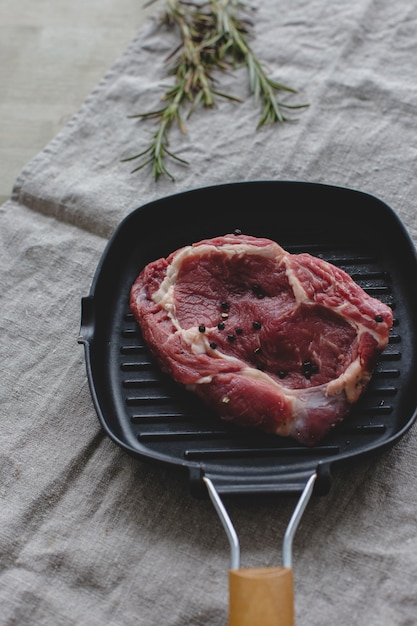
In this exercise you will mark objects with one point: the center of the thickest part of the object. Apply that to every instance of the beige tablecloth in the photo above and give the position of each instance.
(89, 535)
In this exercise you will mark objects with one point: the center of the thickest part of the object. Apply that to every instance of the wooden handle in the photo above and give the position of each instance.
(261, 597)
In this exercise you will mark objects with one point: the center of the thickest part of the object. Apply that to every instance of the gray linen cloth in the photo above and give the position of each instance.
(91, 536)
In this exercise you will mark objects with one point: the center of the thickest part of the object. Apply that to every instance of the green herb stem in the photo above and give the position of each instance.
(213, 36)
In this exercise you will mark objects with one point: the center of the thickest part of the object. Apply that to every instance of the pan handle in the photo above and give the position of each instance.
(261, 596)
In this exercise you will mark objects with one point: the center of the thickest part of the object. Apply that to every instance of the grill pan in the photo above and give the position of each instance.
(151, 417)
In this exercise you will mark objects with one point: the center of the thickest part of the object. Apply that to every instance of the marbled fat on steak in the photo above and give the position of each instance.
(286, 343)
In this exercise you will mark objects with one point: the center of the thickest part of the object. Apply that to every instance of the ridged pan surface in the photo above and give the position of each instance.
(150, 416)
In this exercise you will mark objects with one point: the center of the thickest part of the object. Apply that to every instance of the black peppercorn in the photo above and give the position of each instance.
(239, 331)
(256, 325)
(309, 368)
(256, 289)
(379, 318)
(202, 328)
(231, 338)
(220, 325)
(213, 345)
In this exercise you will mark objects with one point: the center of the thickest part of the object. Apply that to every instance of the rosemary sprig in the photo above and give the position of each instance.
(157, 152)
(213, 36)
(262, 87)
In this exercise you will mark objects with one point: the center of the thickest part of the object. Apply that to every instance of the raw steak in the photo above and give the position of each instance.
(281, 342)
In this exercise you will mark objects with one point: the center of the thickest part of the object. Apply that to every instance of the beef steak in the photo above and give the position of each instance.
(282, 342)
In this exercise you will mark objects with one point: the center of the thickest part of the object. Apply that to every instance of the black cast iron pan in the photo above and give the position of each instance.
(152, 418)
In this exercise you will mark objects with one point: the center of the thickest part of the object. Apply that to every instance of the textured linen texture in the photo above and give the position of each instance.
(91, 536)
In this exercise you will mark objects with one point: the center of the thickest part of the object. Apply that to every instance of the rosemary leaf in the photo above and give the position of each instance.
(213, 36)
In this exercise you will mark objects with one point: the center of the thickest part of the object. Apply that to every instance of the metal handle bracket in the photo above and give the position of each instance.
(290, 531)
